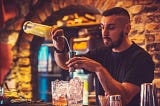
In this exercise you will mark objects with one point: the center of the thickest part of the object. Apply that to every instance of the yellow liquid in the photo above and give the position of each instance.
(37, 29)
(62, 101)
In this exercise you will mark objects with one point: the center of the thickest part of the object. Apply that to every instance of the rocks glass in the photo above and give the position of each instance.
(59, 92)
(115, 100)
(67, 92)
(75, 92)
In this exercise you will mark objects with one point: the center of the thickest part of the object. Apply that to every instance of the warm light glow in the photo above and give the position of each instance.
(80, 45)
(77, 20)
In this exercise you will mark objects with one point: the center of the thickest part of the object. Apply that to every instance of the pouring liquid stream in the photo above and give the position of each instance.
(71, 54)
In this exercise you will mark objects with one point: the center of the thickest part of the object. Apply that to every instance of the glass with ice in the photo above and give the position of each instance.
(75, 92)
(59, 92)
(67, 92)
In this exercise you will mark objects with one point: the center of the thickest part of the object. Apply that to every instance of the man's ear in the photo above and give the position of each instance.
(127, 28)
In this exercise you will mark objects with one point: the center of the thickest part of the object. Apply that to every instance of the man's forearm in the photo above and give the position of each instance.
(61, 59)
(108, 83)
(111, 86)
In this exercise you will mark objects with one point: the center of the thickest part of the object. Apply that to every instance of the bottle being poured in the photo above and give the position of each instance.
(38, 29)
(45, 31)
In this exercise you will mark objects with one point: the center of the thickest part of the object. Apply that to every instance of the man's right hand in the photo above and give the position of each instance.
(57, 39)
(60, 55)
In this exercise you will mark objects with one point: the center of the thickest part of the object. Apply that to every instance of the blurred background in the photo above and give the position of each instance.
(26, 61)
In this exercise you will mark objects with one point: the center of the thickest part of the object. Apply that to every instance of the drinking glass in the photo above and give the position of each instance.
(59, 92)
(148, 95)
(75, 92)
(103, 100)
(1, 95)
(115, 100)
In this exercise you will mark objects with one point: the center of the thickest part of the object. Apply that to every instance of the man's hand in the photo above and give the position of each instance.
(57, 39)
(83, 62)
(60, 54)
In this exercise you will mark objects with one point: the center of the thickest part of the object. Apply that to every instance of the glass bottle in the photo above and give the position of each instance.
(38, 29)
(42, 30)
(115, 100)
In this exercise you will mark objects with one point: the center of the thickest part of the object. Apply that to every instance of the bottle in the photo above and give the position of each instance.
(85, 92)
(38, 29)
(115, 100)
(42, 30)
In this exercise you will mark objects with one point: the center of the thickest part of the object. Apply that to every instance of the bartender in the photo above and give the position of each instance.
(120, 67)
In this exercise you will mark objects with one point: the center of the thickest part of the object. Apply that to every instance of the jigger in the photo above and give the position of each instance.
(148, 95)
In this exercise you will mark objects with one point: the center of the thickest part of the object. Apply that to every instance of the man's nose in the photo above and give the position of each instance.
(105, 32)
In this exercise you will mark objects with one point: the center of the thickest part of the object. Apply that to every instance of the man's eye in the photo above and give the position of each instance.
(111, 27)
(101, 26)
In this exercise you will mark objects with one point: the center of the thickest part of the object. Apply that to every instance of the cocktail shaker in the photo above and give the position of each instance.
(148, 95)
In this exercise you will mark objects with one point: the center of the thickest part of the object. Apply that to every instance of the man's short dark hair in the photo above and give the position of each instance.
(119, 11)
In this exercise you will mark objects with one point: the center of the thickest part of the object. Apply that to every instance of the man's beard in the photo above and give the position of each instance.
(116, 44)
